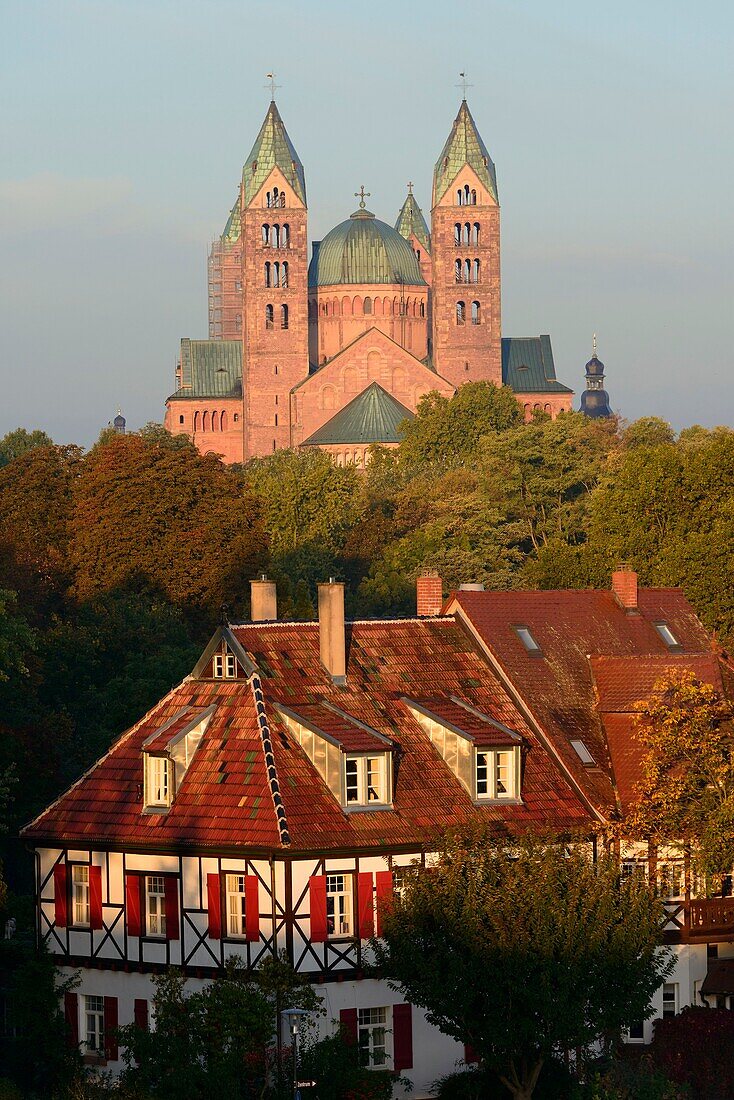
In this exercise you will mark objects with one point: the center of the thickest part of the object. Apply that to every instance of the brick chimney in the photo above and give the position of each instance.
(263, 600)
(332, 634)
(429, 594)
(624, 587)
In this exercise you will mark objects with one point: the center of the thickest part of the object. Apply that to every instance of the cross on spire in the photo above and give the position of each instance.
(464, 85)
(410, 187)
(361, 195)
(271, 85)
(593, 344)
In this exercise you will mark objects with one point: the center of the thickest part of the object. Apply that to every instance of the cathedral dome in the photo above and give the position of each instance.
(363, 249)
(595, 367)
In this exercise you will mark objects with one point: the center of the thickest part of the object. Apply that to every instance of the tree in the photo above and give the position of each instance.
(334, 1063)
(696, 1048)
(686, 793)
(524, 951)
(20, 441)
(446, 429)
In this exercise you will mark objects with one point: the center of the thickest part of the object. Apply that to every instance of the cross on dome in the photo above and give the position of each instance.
(362, 195)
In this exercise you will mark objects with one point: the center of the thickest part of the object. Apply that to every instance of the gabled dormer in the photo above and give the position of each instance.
(354, 760)
(223, 659)
(167, 755)
(483, 754)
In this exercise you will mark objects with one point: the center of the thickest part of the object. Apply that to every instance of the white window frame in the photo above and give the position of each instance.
(340, 905)
(488, 767)
(373, 1033)
(80, 900)
(155, 906)
(671, 998)
(224, 666)
(667, 636)
(528, 640)
(671, 873)
(158, 776)
(361, 768)
(234, 897)
(93, 1024)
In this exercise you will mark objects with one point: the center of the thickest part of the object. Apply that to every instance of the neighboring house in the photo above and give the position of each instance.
(273, 799)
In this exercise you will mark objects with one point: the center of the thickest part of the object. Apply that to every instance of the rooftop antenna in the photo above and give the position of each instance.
(464, 85)
(272, 86)
(362, 195)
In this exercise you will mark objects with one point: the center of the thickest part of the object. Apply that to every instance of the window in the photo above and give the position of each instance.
(367, 305)
(80, 895)
(475, 272)
(671, 878)
(339, 905)
(285, 236)
(276, 236)
(670, 999)
(527, 639)
(235, 890)
(372, 1036)
(266, 234)
(399, 880)
(155, 905)
(365, 779)
(225, 666)
(460, 313)
(238, 284)
(496, 772)
(631, 867)
(284, 316)
(457, 233)
(94, 1025)
(636, 1031)
(583, 753)
(457, 271)
(475, 233)
(157, 776)
(476, 314)
(180, 420)
(667, 635)
(284, 276)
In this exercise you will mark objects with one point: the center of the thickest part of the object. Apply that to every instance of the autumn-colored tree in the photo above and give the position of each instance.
(446, 430)
(524, 951)
(685, 796)
(696, 1048)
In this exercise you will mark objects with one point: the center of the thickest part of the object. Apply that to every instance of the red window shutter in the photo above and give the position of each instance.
(470, 1055)
(214, 906)
(60, 895)
(110, 1029)
(71, 1012)
(402, 1037)
(171, 889)
(385, 894)
(132, 904)
(252, 908)
(95, 897)
(348, 1020)
(140, 1014)
(317, 904)
(366, 923)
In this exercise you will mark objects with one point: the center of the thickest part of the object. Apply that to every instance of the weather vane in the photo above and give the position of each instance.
(361, 195)
(271, 85)
(464, 85)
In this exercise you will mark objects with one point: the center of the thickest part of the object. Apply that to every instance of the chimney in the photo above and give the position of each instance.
(263, 600)
(332, 636)
(472, 586)
(429, 594)
(624, 587)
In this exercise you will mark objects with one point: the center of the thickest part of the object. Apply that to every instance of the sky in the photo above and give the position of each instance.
(125, 124)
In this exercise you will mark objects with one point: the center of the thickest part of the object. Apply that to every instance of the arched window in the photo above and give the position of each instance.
(457, 233)
(473, 198)
(284, 316)
(267, 199)
(346, 307)
(223, 421)
(357, 307)
(285, 236)
(418, 255)
(335, 307)
(475, 272)
(284, 276)
(276, 274)
(205, 422)
(386, 307)
(378, 307)
(266, 235)
(238, 322)
(459, 198)
(197, 421)
(467, 271)
(368, 305)
(475, 233)
(546, 408)
(215, 421)
(467, 195)
(267, 274)
(460, 313)
(423, 309)
(268, 316)
(276, 420)
(467, 232)
(275, 369)
(457, 271)
(476, 313)
(275, 233)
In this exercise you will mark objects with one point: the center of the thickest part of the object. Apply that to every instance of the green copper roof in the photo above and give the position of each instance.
(273, 148)
(363, 250)
(412, 223)
(232, 228)
(372, 417)
(527, 365)
(463, 146)
(210, 368)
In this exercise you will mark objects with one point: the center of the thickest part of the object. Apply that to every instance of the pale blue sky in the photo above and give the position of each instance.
(125, 124)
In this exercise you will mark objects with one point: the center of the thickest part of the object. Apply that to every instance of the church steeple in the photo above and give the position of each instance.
(595, 399)
(411, 222)
(464, 146)
(272, 149)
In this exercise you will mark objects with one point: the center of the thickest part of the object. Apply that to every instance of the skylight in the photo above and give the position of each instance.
(667, 635)
(582, 752)
(527, 639)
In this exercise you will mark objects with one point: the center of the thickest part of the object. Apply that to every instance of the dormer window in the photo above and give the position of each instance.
(526, 637)
(167, 755)
(225, 666)
(497, 772)
(364, 779)
(667, 636)
(157, 781)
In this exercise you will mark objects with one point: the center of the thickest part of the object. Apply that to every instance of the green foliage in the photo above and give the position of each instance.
(542, 952)
(626, 1079)
(19, 442)
(334, 1063)
(445, 430)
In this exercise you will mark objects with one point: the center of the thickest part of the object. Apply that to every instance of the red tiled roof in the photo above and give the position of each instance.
(160, 739)
(571, 626)
(226, 800)
(475, 726)
(351, 736)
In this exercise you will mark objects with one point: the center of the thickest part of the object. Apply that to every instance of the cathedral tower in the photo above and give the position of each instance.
(465, 254)
(274, 282)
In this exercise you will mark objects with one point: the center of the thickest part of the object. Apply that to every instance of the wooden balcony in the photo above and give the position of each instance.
(700, 920)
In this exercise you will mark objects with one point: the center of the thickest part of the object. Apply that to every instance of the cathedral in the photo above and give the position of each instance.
(336, 352)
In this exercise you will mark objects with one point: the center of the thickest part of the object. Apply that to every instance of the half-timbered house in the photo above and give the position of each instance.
(273, 799)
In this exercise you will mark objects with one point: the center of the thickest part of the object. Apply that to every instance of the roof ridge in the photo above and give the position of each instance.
(267, 744)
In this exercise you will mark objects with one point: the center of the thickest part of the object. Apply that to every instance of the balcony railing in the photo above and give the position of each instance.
(708, 916)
